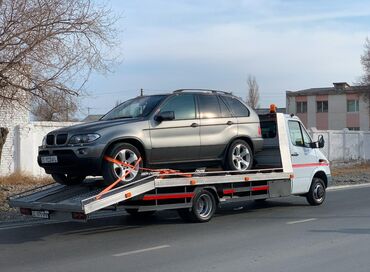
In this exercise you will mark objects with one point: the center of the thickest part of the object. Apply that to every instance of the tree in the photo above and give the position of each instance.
(3, 133)
(365, 79)
(51, 46)
(253, 92)
(365, 61)
(60, 107)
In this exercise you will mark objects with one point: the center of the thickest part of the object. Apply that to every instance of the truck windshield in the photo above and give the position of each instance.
(137, 107)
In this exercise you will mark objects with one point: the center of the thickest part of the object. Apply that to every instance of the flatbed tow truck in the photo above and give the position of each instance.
(289, 164)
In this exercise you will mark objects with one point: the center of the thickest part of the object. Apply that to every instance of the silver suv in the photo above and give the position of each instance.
(184, 130)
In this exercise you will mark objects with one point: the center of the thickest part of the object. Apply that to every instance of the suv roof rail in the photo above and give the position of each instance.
(200, 90)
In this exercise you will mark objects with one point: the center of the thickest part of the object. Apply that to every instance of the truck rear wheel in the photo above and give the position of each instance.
(204, 207)
(67, 179)
(317, 193)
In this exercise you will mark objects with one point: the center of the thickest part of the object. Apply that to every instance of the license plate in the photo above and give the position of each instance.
(49, 159)
(41, 214)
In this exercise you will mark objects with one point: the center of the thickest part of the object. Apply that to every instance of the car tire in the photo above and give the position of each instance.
(124, 152)
(239, 156)
(317, 192)
(66, 179)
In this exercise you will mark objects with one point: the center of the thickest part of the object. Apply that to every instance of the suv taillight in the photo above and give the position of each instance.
(259, 131)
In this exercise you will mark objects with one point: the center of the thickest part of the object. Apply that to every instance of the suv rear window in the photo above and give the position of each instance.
(237, 107)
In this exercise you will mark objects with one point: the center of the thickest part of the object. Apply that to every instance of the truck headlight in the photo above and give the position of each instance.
(84, 138)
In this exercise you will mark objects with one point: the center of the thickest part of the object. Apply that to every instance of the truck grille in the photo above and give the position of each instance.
(50, 139)
(61, 139)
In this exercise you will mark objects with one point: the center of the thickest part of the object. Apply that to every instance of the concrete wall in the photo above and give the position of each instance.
(29, 138)
(344, 145)
(11, 117)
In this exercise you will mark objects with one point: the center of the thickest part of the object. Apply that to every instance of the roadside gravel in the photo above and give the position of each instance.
(343, 174)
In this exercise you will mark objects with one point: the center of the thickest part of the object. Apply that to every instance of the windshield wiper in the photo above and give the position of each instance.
(119, 117)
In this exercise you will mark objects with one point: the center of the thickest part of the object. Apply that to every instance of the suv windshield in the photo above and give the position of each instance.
(138, 107)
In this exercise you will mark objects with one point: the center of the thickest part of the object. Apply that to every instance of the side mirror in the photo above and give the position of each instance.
(319, 144)
(165, 116)
(321, 141)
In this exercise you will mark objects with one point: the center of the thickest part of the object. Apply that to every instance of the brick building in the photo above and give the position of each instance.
(337, 107)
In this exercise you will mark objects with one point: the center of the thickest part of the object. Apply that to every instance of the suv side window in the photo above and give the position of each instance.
(298, 134)
(237, 107)
(182, 105)
(209, 106)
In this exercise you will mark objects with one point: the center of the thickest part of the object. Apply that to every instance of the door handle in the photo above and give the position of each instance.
(295, 154)
(194, 125)
(229, 123)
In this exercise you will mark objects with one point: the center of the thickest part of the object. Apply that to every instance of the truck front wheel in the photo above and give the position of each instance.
(317, 193)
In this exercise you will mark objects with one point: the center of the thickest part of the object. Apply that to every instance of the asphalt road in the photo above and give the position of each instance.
(280, 235)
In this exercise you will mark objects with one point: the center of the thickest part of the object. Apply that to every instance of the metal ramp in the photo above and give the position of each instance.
(78, 198)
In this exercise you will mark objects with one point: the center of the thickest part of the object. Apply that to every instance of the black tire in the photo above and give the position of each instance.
(135, 213)
(317, 193)
(67, 179)
(231, 164)
(110, 174)
(204, 207)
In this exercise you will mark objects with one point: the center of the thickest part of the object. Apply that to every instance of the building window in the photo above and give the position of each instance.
(353, 106)
(354, 128)
(301, 107)
(322, 106)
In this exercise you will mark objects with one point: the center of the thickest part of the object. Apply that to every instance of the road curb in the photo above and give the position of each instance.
(351, 186)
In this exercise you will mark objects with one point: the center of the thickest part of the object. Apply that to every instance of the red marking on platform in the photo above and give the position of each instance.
(260, 188)
(168, 196)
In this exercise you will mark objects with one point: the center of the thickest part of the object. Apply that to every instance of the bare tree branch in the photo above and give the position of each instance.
(253, 96)
(51, 46)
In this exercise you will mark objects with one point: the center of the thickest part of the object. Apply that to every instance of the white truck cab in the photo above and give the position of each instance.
(303, 156)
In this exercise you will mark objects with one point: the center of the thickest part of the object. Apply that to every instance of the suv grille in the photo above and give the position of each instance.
(61, 139)
(50, 139)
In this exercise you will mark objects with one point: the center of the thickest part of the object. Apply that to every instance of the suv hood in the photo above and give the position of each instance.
(95, 126)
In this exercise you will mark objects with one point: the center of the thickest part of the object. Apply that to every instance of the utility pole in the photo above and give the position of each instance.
(141, 92)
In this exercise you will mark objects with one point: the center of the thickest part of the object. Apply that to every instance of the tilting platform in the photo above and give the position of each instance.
(153, 192)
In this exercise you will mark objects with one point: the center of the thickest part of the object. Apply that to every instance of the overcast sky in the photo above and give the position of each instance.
(286, 44)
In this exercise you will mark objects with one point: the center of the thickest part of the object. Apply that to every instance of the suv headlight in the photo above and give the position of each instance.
(83, 138)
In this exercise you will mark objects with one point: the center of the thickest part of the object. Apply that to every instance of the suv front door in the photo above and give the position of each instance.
(304, 158)
(176, 140)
